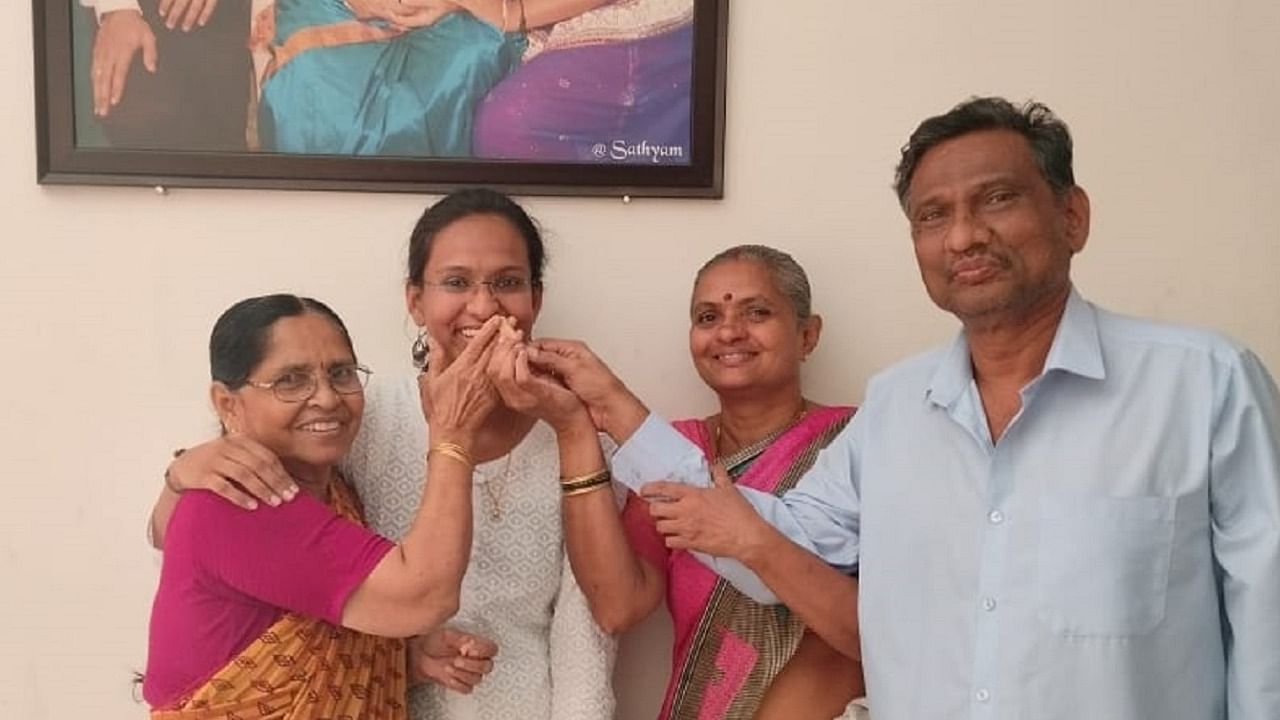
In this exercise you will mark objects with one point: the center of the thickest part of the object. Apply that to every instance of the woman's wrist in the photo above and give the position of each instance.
(453, 452)
(461, 437)
(575, 427)
(622, 412)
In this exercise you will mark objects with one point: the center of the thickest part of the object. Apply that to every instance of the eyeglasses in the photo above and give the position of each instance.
(297, 386)
(500, 285)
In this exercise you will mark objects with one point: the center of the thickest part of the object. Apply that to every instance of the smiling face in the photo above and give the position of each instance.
(992, 239)
(744, 333)
(483, 248)
(312, 434)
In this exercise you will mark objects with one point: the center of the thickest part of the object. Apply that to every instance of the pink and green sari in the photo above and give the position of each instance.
(728, 648)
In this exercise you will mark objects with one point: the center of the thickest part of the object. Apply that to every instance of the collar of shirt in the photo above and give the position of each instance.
(1076, 349)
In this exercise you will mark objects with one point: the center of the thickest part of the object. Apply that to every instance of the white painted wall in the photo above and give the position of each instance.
(107, 294)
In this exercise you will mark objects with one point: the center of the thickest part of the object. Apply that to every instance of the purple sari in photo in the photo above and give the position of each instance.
(615, 102)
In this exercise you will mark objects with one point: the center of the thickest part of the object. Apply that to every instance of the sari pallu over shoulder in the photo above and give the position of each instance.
(302, 668)
(728, 647)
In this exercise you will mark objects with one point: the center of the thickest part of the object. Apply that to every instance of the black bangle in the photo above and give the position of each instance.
(583, 482)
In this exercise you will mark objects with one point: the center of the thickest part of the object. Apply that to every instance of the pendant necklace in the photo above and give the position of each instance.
(495, 488)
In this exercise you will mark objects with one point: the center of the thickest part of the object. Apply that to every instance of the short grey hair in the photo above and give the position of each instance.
(1045, 133)
(787, 275)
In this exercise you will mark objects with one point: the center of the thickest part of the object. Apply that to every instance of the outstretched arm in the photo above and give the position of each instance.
(621, 587)
(613, 407)
(819, 516)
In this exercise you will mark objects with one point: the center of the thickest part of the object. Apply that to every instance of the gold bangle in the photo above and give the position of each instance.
(602, 480)
(570, 489)
(588, 479)
(585, 490)
(587, 482)
(454, 451)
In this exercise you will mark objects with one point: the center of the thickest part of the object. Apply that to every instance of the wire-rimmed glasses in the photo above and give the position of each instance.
(498, 286)
(298, 385)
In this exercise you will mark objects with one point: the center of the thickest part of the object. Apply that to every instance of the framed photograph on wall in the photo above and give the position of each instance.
(554, 97)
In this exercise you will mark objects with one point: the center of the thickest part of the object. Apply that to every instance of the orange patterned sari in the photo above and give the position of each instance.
(301, 668)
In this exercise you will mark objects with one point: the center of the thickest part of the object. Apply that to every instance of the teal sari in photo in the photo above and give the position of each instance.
(337, 85)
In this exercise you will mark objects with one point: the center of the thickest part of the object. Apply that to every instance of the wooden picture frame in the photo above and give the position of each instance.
(625, 166)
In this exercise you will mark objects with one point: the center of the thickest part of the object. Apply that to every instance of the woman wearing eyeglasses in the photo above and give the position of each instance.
(472, 256)
(295, 610)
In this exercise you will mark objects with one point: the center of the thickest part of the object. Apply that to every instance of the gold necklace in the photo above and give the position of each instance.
(742, 454)
(493, 491)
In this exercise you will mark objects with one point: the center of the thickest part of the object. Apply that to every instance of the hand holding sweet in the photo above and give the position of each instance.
(531, 391)
(612, 406)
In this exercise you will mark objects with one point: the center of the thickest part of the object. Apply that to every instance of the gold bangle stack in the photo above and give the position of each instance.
(583, 484)
(453, 451)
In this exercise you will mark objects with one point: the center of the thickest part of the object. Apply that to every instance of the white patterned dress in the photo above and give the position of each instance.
(554, 662)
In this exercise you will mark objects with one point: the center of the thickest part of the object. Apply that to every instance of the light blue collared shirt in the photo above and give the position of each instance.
(1116, 556)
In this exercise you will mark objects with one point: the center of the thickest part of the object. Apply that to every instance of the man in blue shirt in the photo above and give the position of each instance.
(1065, 514)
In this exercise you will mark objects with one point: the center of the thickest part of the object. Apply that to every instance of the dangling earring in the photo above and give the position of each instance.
(419, 350)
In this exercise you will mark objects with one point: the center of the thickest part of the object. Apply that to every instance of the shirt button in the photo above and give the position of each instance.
(995, 517)
(988, 604)
(982, 695)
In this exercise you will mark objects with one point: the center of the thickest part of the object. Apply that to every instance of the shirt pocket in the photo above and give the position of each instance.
(1103, 564)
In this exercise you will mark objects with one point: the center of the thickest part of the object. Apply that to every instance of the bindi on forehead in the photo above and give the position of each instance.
(728, 297)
